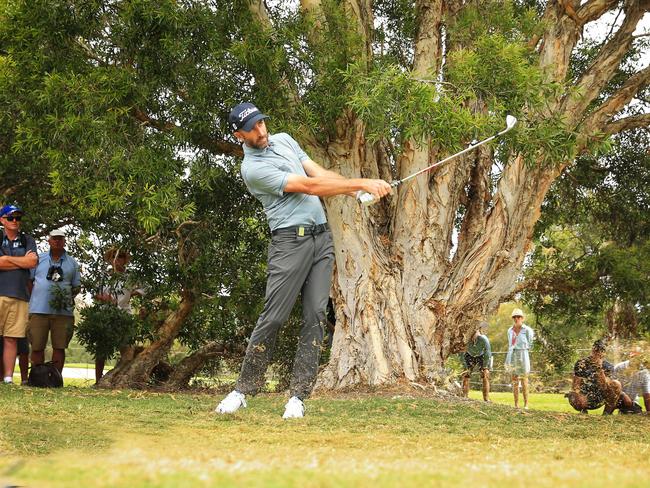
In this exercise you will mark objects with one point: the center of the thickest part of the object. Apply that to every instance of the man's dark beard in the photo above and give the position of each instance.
(260, 146)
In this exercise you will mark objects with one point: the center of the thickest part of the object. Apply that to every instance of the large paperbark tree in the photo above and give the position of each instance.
(372, 89)
(410, 291)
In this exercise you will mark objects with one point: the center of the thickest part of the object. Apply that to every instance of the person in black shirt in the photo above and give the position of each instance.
(593, 386)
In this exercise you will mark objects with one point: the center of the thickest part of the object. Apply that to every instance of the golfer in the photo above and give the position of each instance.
(301, 254)
(520, 340)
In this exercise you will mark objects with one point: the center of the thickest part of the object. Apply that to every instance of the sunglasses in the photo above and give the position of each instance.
(11, 218)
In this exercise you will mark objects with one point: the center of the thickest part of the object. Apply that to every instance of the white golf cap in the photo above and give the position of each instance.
(56, 233)
(517, 312)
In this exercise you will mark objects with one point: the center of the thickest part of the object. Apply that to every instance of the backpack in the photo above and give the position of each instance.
(45, 376)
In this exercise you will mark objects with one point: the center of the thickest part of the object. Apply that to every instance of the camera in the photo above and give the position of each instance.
(55, 273)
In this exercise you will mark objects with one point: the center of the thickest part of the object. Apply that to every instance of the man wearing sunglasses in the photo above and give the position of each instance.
(17, 256)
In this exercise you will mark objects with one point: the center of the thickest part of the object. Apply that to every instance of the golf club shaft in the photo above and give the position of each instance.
(368, 198)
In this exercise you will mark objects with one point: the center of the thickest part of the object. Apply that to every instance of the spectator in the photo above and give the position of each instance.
(478, 354)
(22, 350)
(119, 292)
(592, 385)
(17, 257)
(520, 340)
(635, 382)
(56, 282)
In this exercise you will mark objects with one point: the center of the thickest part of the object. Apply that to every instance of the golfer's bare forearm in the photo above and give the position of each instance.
(325, 187)
(315, 170)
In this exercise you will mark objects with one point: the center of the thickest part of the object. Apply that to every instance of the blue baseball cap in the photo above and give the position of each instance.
(9, 209)
(244, 117)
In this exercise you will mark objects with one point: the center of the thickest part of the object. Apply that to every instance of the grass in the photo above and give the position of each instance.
(85, 437)
(537, 401)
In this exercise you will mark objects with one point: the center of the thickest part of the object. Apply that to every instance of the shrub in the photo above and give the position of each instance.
(104, 328)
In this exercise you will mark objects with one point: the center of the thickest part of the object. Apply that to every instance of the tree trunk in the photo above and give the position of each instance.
(622, 321)
(405, 301)
(190, 365)
(136, 373)
(416, 274)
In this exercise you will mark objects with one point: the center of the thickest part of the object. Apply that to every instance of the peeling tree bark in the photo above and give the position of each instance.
(404, 304)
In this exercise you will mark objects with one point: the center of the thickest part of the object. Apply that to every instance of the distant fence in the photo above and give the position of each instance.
(501, 380)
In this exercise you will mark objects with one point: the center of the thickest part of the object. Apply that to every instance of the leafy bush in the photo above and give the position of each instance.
(104, 328)
(61, 298)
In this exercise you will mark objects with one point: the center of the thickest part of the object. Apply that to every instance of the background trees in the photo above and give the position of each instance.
(589, 272)
(119, 109)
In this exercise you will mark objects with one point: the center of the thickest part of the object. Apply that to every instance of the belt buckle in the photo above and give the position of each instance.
(301, 231)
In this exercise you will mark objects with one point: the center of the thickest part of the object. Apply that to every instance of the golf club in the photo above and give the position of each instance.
(366, 198)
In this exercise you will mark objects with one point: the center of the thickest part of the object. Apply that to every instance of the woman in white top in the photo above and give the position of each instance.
(520, 340)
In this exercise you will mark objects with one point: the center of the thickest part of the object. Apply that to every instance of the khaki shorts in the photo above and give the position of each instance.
(40, 325)
(13, 317)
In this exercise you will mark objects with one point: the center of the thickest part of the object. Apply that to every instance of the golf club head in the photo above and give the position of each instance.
(511, 120)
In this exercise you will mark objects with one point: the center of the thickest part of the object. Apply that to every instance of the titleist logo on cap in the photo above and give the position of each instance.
(247, 112)
(244, 116)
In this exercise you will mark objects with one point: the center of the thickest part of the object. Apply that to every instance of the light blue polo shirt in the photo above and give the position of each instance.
(265, 172)
(42, 291)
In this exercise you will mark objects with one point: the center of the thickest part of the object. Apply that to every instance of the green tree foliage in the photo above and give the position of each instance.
(593, 251)
(115, 112)
(109, 110)
(104, 328)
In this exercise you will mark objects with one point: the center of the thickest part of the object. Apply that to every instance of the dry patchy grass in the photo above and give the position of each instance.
(85, 437)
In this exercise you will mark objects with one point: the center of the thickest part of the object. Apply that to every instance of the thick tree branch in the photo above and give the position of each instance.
(313, 10)
(627, 123)
(594, 9)
(617, 101)
(260, 14)
(362, 14)
(190, 365)
(606, 63)
(148, 120)
(428, 43)
(558, 41)
(478, 199)
(214, 146)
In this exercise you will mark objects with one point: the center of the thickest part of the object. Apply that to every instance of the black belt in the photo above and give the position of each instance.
(302, 230)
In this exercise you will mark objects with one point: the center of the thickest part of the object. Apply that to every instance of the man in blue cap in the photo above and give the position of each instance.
(17, 256)
(288, 184)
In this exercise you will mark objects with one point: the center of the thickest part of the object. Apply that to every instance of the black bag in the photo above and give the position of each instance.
(45, 376)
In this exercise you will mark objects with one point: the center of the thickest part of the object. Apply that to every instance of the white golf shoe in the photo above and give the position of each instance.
(294, 409)
(233, 402)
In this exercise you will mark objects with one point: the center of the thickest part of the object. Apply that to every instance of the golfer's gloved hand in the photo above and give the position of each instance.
(373, 190)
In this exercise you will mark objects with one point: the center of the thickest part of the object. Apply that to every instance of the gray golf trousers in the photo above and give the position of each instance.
(296, 264)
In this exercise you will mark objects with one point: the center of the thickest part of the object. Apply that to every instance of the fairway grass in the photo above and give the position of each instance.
(85, 437)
